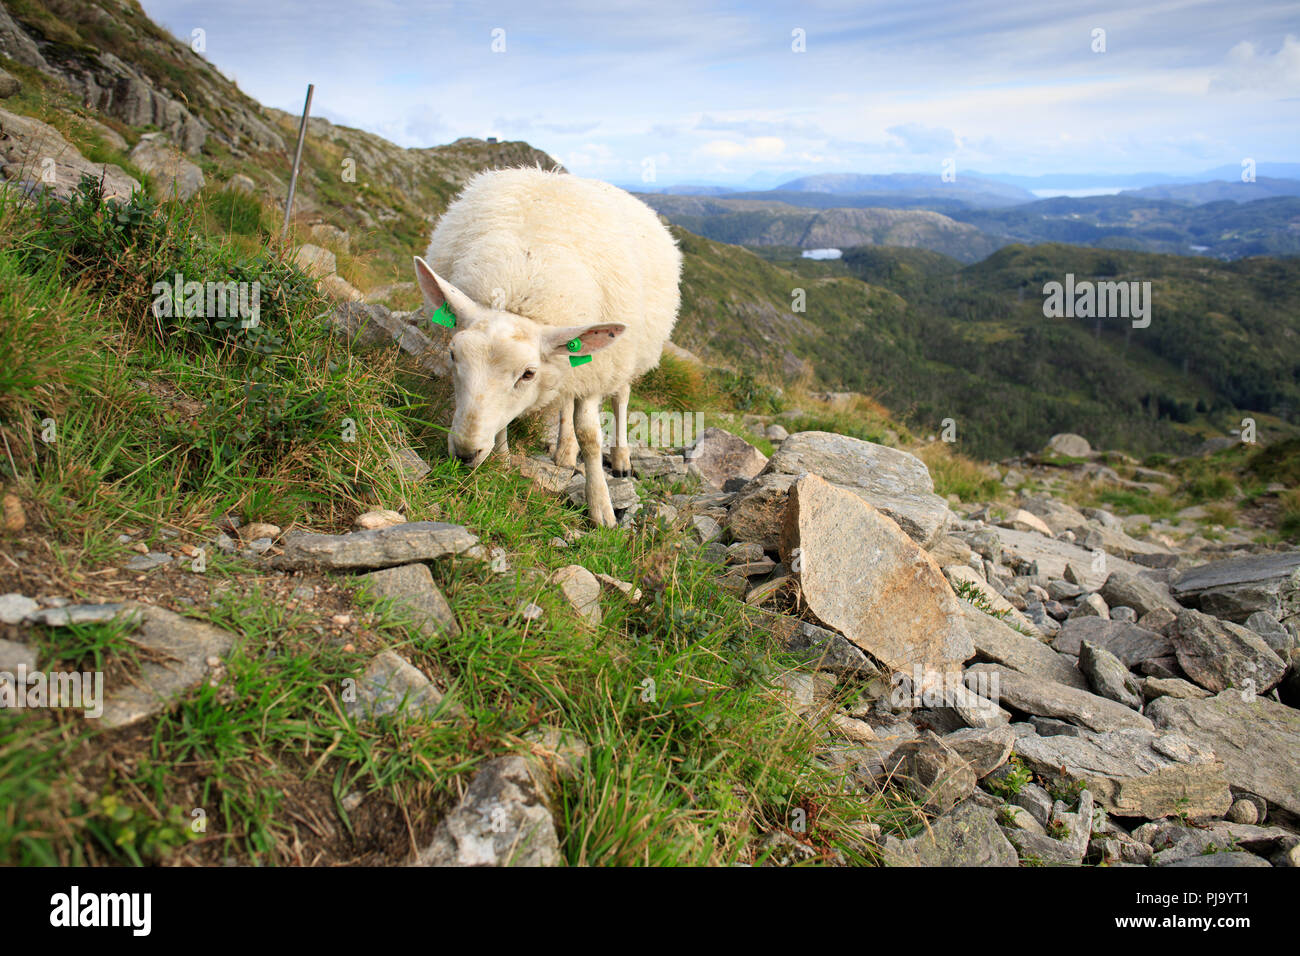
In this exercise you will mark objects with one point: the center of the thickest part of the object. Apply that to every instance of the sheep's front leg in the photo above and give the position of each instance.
(566, 446)
(501, 446)
(620, 456)
(586, 420)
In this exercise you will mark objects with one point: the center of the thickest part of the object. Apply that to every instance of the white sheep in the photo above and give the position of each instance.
(563, 290)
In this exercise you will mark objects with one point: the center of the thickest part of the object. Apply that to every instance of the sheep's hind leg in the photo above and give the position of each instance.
(566, 446)
(620, 456)
(586, 420)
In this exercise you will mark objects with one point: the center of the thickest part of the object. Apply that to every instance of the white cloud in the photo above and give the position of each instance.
(757, 147)
(917, 138)
(1247, 70)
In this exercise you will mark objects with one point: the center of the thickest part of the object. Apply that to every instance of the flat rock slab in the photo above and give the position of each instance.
(184, 647)
(1052, 556)
(1219, 654)
(26, 144)
(985, 749)
(14, 655)
(863, 577)
(1135, 773)
(1046, 698)
(501, 821)
(545, 475)
(147, 562)
(719, 455)
(1257, 739)
(391, 685)
(15, 608)
(381, 548)
(1127, 641)
(72, 614)
(412, 585)
(1238, 587)
(897, 483)
(1057, 515)
(968, 835)
(1140, 593)
(1000, 644)
(1222, 859)
(581, 589)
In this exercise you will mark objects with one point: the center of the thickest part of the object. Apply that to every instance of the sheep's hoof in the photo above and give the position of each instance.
(620, 461)
(567, 457)
(603, 516)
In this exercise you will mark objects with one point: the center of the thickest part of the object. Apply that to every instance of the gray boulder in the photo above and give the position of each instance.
(897, 483)
(1108, 676)
(968, 835)
(503, 820)
(1133, 772)
(1047, 698)
(1238, 587)
(1256, 738)
(176, 176)
(1219, 654)
(719, 455)
(1131, 643)
(380, 548)
(861, 576)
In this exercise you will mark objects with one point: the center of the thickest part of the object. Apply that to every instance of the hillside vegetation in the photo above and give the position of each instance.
(971, 343)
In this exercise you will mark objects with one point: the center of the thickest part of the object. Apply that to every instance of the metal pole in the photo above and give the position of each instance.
(297, 158)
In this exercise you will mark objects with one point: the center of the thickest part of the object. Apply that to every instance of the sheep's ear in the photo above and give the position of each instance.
(438, 292)
(588, 339)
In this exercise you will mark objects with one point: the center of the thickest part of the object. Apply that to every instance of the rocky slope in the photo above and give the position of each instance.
(756, 222)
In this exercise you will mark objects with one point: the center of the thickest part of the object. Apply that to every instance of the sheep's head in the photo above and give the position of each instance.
(502, 364)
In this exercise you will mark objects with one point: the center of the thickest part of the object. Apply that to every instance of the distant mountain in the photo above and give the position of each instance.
(1126, 181)
(971, 189)
(681, 189)
(1081, 180)
(1218, 190)
(1222, 229)
(808, 200)
(1233, 173)
(754, 222)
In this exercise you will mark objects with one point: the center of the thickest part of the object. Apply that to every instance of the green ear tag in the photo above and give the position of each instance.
(575, 345)
(444, 316)
(576, 360)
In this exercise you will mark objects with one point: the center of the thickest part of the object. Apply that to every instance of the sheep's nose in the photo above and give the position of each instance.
(465, 457)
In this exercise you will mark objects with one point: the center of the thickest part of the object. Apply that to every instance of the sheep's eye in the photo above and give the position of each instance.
(451, 355)
(528, 375)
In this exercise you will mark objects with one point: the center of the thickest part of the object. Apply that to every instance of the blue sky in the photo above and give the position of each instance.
(688, 91)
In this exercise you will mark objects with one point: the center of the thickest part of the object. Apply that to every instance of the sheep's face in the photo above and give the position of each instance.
(502, 364)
